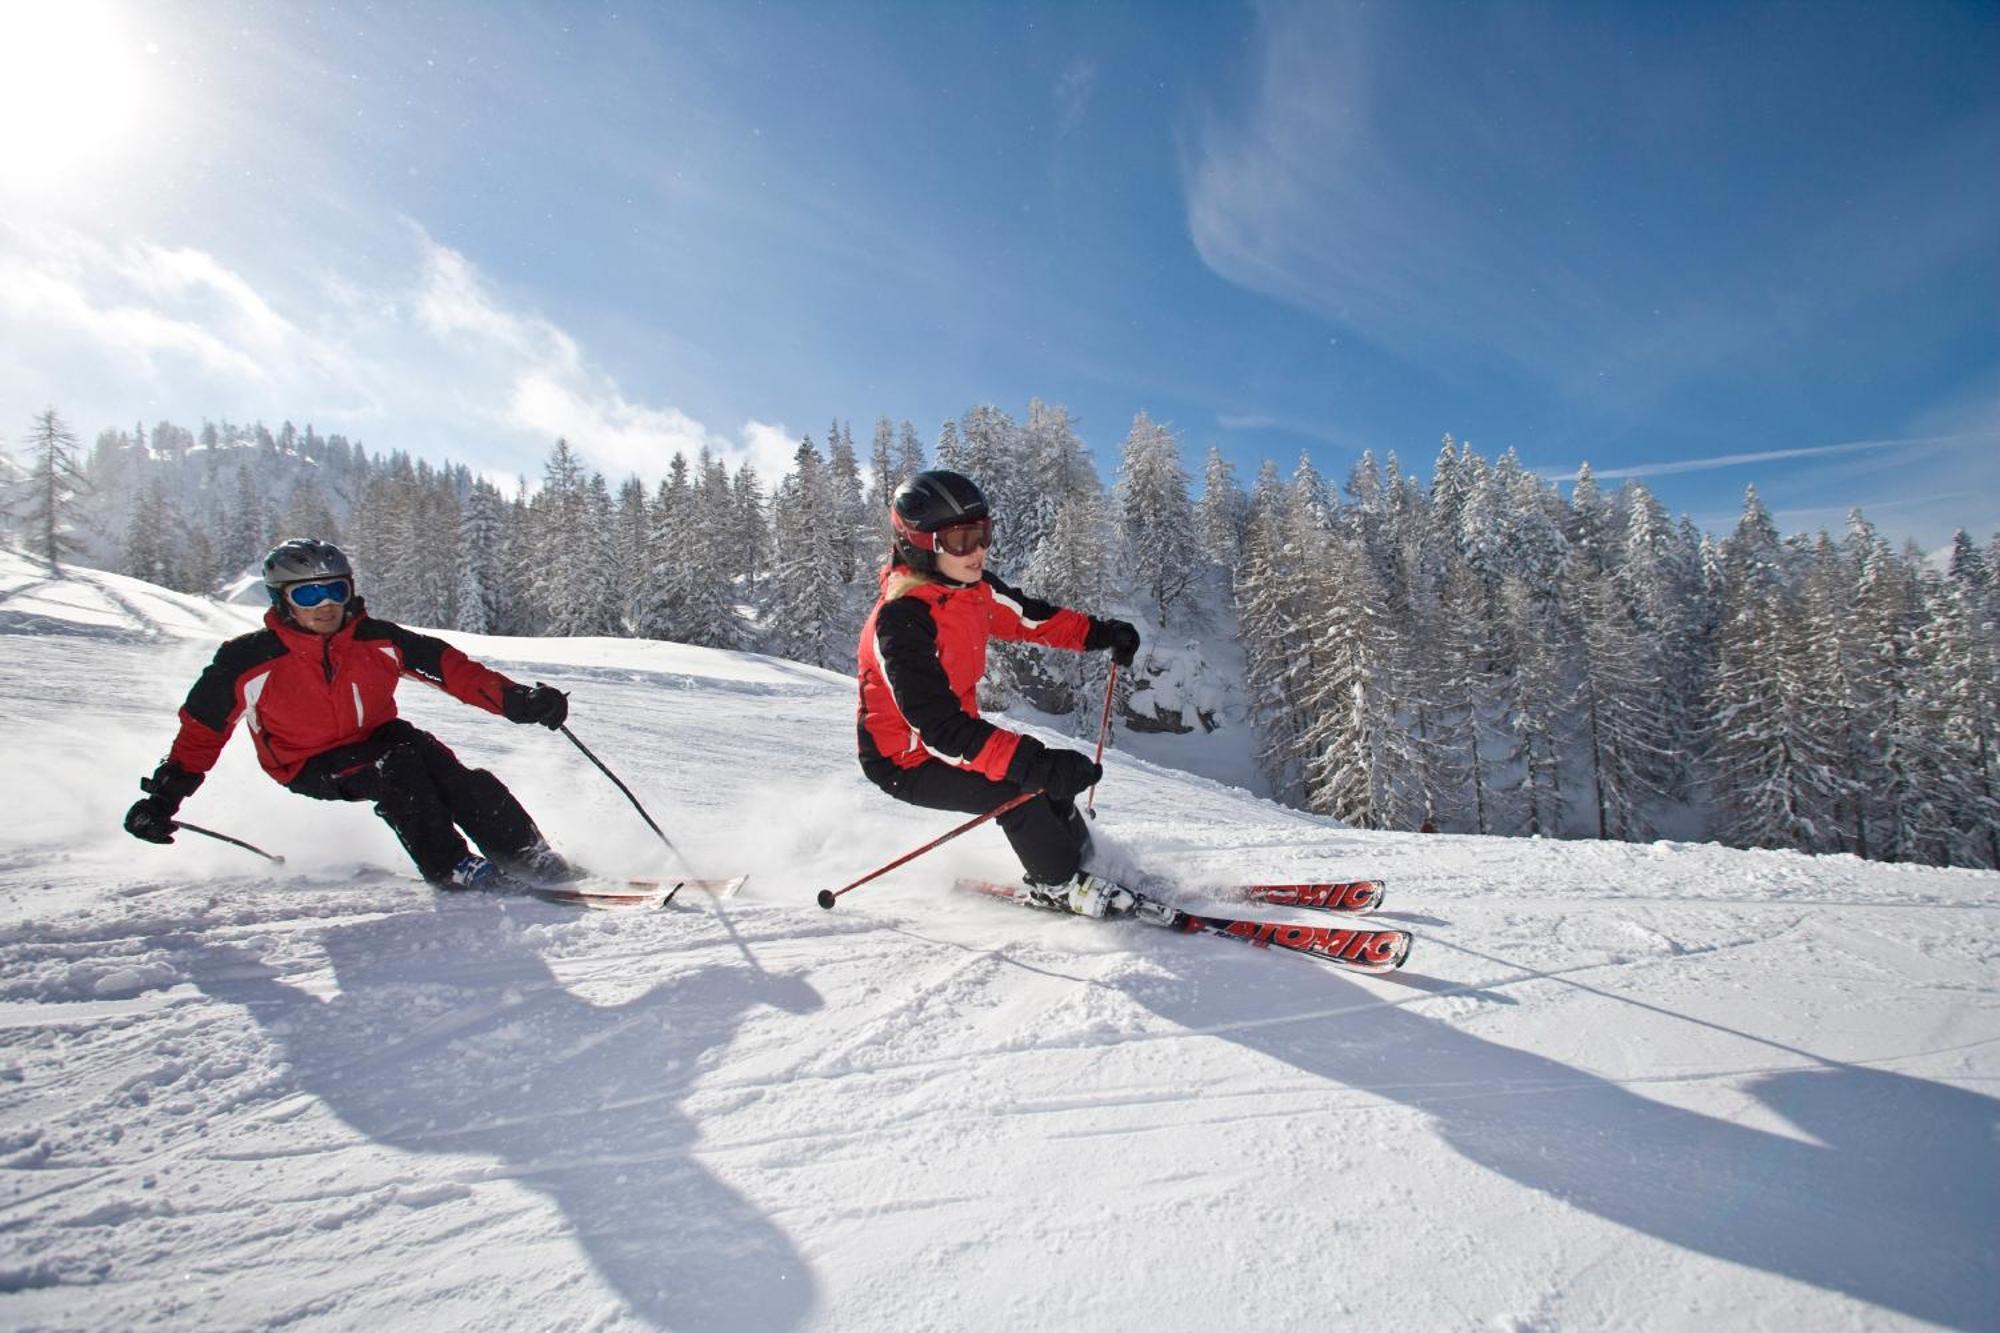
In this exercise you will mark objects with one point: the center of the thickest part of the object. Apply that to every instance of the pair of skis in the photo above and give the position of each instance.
(1357, 950)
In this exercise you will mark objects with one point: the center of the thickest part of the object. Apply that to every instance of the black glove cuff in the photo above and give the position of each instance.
(170, 782)
(1099, 637)
(1028, 767)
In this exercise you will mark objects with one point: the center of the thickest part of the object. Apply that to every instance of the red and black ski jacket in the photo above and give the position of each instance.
(302, 694)
(923, 650)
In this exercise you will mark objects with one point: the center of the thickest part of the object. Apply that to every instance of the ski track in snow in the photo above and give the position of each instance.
(1632, 1086)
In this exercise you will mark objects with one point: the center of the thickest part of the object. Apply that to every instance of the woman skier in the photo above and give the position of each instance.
(317, 687)
(922, 653)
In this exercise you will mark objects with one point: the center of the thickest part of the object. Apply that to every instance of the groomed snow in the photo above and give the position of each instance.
(1663, 1086)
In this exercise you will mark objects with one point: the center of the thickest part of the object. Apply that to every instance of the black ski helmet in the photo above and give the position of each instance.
(924, 504)
(303, 560)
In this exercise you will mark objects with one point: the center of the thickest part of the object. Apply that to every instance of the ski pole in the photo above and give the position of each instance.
(826, 896)
(1103, 730)
(177, 825)
(628, 793)
(726, 923)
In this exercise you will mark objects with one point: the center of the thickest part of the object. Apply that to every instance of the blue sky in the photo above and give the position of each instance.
(1705, 245)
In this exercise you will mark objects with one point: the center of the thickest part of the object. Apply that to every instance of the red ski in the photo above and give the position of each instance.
(1355, 950)
(1354, 898)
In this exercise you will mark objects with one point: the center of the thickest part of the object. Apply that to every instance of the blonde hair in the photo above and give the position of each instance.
(903, 581)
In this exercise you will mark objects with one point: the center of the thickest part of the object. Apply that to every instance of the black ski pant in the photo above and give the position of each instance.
(1048, 835)
(422, 791)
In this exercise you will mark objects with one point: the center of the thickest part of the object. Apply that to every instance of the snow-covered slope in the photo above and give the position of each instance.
(1617, 1087)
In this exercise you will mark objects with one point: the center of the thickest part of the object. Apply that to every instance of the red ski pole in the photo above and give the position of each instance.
(827, 896)
(1103, 730)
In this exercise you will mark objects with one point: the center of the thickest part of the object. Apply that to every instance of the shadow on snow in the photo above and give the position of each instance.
(576, 1100)
(1896, 1204)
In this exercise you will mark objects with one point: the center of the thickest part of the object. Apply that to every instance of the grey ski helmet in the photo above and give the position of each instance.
(928, 503)
(303, 560)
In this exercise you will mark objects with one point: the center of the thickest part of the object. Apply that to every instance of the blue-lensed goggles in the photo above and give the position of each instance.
(305, 595)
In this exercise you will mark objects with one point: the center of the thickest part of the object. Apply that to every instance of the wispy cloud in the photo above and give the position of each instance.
(1073, 93)
(427, 354)
(1310, 430)
(1436, 188)
(1679, 465)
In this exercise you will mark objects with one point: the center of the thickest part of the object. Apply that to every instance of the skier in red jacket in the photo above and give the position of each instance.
(317, 688)
(922, 653)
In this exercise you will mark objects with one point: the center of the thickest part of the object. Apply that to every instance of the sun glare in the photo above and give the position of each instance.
(73, 82)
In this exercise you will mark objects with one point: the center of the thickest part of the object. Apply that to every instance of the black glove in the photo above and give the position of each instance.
(1120, 636)
(544, 704)
(1063, 774)
(152, 817)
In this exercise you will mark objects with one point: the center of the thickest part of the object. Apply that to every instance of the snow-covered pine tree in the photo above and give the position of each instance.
(909, 457)
(1270, 594)
(1356, 753)
(377, 538)
(307, 513)
(482, 572)
(853, 535)
(1963, 685)
(1057, 498)
(602, 529)
(243, 540)
(1417, 554)
(1589, 531)
(49, 496)
(1071, 567)
(673, 550)
(1619, 705)
(995, 456)
(1888, 603)
(1055, 466)
(151, 538)
(519, 543)
(634, 541)
(1659, 580)
(751, 535)
(1843, 677)
(882, 478)
(1533, 712)
(1448, 490)
(709, 610)
(1466, 689)
(803, 597)
(572, 571)
(1772, 768)
(1156, 519)
(950, 452)
(196, 571)
(1222, 513)
(435, 547)
(1313, 504)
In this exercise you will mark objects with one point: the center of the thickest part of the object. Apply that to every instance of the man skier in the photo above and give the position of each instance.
(317, 688)
(922, 653)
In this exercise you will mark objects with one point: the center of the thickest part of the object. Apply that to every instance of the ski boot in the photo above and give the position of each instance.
(474, 872)
(1086, 895)
(540, 864)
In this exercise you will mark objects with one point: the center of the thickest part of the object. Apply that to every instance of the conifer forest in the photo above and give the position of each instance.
(1471, 649)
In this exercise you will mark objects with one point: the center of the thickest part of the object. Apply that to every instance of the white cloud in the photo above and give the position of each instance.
(426, 356)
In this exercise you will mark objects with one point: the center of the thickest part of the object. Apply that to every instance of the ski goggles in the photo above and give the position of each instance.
(307, 595)
(960, 538)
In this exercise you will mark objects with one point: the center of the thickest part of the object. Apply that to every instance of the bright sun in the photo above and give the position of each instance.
(73, 81)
